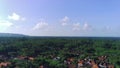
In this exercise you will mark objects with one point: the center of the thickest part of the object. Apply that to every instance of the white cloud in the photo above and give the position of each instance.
(64, 24)
(40, 25)
(106, 29)
(86, 26)
(16, 17)
(76, 26)
(23, 19)
(64, 21)
(5, 24)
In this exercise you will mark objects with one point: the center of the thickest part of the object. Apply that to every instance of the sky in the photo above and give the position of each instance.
(61, 17)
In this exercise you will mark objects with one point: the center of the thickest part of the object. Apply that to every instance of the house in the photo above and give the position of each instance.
(4, 64)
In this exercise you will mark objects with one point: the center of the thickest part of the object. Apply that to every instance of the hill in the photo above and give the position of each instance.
(11, 35)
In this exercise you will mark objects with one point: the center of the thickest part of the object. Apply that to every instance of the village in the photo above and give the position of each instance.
(71, 62)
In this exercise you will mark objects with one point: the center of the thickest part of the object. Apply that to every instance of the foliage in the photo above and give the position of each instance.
(45, 50)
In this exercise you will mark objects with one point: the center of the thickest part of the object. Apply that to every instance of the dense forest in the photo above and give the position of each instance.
(59, 52)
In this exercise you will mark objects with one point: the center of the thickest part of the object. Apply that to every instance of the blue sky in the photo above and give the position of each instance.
(60, 17)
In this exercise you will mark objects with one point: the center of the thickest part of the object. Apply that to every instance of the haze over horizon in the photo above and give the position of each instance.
(60, 17)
